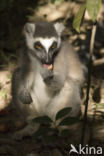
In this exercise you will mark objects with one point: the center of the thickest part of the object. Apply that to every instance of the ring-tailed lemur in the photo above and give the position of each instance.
(38, 90)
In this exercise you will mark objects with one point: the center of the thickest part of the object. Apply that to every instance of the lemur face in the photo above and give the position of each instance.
(46, 49)
(44, 41)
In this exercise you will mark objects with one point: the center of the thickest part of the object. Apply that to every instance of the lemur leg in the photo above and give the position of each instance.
(69, 96)
(28, 130)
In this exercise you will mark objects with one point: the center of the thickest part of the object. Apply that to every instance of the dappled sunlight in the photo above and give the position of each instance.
(5, 87)
(53, 12)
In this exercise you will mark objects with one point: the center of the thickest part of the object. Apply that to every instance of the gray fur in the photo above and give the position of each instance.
(38, 91)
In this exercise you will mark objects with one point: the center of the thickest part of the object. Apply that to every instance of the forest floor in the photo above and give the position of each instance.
(60, 146)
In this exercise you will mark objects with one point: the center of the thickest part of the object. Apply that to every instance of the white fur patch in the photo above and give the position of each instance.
(46, 42)
(39, 95)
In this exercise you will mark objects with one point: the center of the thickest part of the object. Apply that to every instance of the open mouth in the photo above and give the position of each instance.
(48, 66)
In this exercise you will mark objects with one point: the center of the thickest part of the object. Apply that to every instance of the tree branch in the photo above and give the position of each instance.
(88, 82)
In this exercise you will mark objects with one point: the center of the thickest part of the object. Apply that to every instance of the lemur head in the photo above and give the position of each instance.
(43, 39)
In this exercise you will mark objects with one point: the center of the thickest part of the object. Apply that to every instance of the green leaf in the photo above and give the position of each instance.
(93, 7)
(42, 120)
(78, 18)
(69, 121)
(63, 112)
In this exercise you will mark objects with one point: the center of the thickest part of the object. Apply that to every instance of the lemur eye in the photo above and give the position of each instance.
(54, 45)
(37, 45)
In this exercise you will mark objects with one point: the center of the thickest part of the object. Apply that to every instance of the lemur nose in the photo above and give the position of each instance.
(47, 60)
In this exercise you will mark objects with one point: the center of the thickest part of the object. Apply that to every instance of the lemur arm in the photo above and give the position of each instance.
(19, 88)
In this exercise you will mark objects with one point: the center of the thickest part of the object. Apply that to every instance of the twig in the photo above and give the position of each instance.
(98, 62)
(89, 82)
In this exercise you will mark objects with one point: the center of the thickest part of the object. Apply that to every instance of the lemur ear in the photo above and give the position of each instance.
(59, 27)
(29, 29)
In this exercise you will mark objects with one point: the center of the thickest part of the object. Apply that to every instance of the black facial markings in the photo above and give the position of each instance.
(42, 55)
(53, 49)
(38, 45)
(53, 46)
